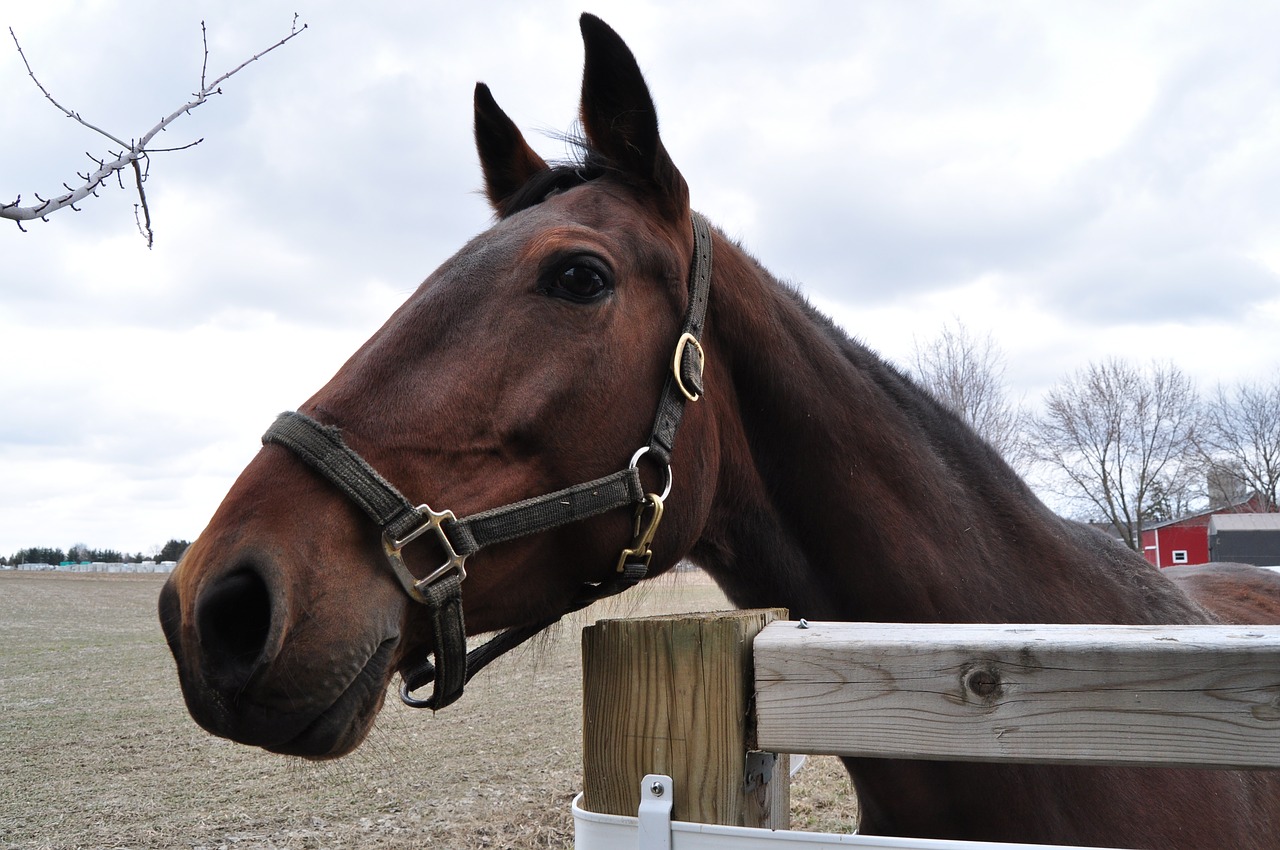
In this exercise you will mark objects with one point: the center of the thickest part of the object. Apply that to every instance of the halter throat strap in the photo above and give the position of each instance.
(322, 448)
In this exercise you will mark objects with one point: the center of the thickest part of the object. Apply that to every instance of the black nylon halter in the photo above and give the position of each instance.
(323, 448)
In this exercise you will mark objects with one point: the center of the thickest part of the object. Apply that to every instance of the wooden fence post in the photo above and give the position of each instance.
(673, 695)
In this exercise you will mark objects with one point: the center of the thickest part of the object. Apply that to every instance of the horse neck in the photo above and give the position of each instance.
(846, 492)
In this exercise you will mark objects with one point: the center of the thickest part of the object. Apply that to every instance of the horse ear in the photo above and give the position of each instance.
(619, 118)
(508, 161)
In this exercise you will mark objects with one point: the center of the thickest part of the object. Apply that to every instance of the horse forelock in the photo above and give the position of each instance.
(587, 165)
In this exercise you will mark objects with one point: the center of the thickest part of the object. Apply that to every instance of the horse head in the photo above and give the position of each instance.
(528, 363)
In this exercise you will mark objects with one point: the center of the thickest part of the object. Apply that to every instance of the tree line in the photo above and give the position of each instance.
(1128, 445)
(79, 552)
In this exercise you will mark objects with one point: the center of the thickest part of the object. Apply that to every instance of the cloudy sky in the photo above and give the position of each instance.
(1081, 180)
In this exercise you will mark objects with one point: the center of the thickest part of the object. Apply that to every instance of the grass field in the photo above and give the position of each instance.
(97, 749)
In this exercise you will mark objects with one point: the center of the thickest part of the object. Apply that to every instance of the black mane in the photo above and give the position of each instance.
(955, 440)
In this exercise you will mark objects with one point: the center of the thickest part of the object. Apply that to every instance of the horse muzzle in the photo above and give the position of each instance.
(250, 674)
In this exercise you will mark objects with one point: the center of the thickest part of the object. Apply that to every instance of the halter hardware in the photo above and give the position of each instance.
(451, 665)
(677, 366)
(635, 464)
(433, 521)
(641, 550)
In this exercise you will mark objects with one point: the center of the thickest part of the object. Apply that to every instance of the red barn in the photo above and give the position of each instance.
(1186, 540)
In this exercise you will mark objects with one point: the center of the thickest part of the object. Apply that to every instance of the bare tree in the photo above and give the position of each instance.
(1241, 438)
(134, 154)
(968, 375)
(1125, 440)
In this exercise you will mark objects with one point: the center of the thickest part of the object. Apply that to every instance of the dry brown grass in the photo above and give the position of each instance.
(97, 750)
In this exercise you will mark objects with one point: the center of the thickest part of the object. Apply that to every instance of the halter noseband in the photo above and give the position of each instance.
(323, 448)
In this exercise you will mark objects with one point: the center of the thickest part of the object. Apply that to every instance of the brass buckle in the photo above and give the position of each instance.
(681, 344)
(642, 541)
(432, 521)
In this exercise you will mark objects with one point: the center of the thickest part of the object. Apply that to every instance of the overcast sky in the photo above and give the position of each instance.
(1081, 180)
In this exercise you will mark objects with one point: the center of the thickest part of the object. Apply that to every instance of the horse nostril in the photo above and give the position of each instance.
(233, 620)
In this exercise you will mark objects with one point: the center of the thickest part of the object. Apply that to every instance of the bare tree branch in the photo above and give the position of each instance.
(968, 375)
(1124, 439)
(49, 97)
(132, 151)
(144, 226)
(1241, 439)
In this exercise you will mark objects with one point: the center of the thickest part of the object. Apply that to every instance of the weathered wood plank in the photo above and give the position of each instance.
(1176, 695)
(671, 695)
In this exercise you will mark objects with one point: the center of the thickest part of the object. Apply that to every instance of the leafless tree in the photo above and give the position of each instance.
(1241, 438)
(133, 154)
(968, 375)
(1123, 439)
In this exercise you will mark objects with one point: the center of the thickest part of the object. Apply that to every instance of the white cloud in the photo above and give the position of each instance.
(1080, 180)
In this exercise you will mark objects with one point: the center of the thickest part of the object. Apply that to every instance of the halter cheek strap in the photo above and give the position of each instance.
(322, 448)
(402, 522)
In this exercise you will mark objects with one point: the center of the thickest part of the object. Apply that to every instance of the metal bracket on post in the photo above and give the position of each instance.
(759, 770)
(654, 818)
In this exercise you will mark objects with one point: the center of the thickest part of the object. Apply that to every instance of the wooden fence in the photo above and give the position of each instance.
(706, 698)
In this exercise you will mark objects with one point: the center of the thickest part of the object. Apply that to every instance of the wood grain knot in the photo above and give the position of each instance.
(984, 683)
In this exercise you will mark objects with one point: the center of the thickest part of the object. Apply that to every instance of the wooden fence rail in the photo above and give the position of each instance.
(1201, 696)
(705, 698)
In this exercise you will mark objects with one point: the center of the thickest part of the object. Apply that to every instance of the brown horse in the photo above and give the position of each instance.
(808, 474)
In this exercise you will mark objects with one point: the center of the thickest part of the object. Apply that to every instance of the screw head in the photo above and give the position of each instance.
(657, 789)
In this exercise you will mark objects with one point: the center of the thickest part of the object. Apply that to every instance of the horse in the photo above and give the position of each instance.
(515, 392)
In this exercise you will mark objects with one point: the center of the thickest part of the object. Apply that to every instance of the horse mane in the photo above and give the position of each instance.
(951, 437)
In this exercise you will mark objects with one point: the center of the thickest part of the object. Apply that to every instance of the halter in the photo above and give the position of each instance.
(322, 448)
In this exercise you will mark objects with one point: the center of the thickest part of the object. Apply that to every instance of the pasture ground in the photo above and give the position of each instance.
(97, 749)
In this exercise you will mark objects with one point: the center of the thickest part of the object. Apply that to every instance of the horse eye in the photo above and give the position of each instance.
(579, 283)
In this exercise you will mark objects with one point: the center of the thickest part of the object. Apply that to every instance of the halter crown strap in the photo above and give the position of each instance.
(684, 380)
(322, 448)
